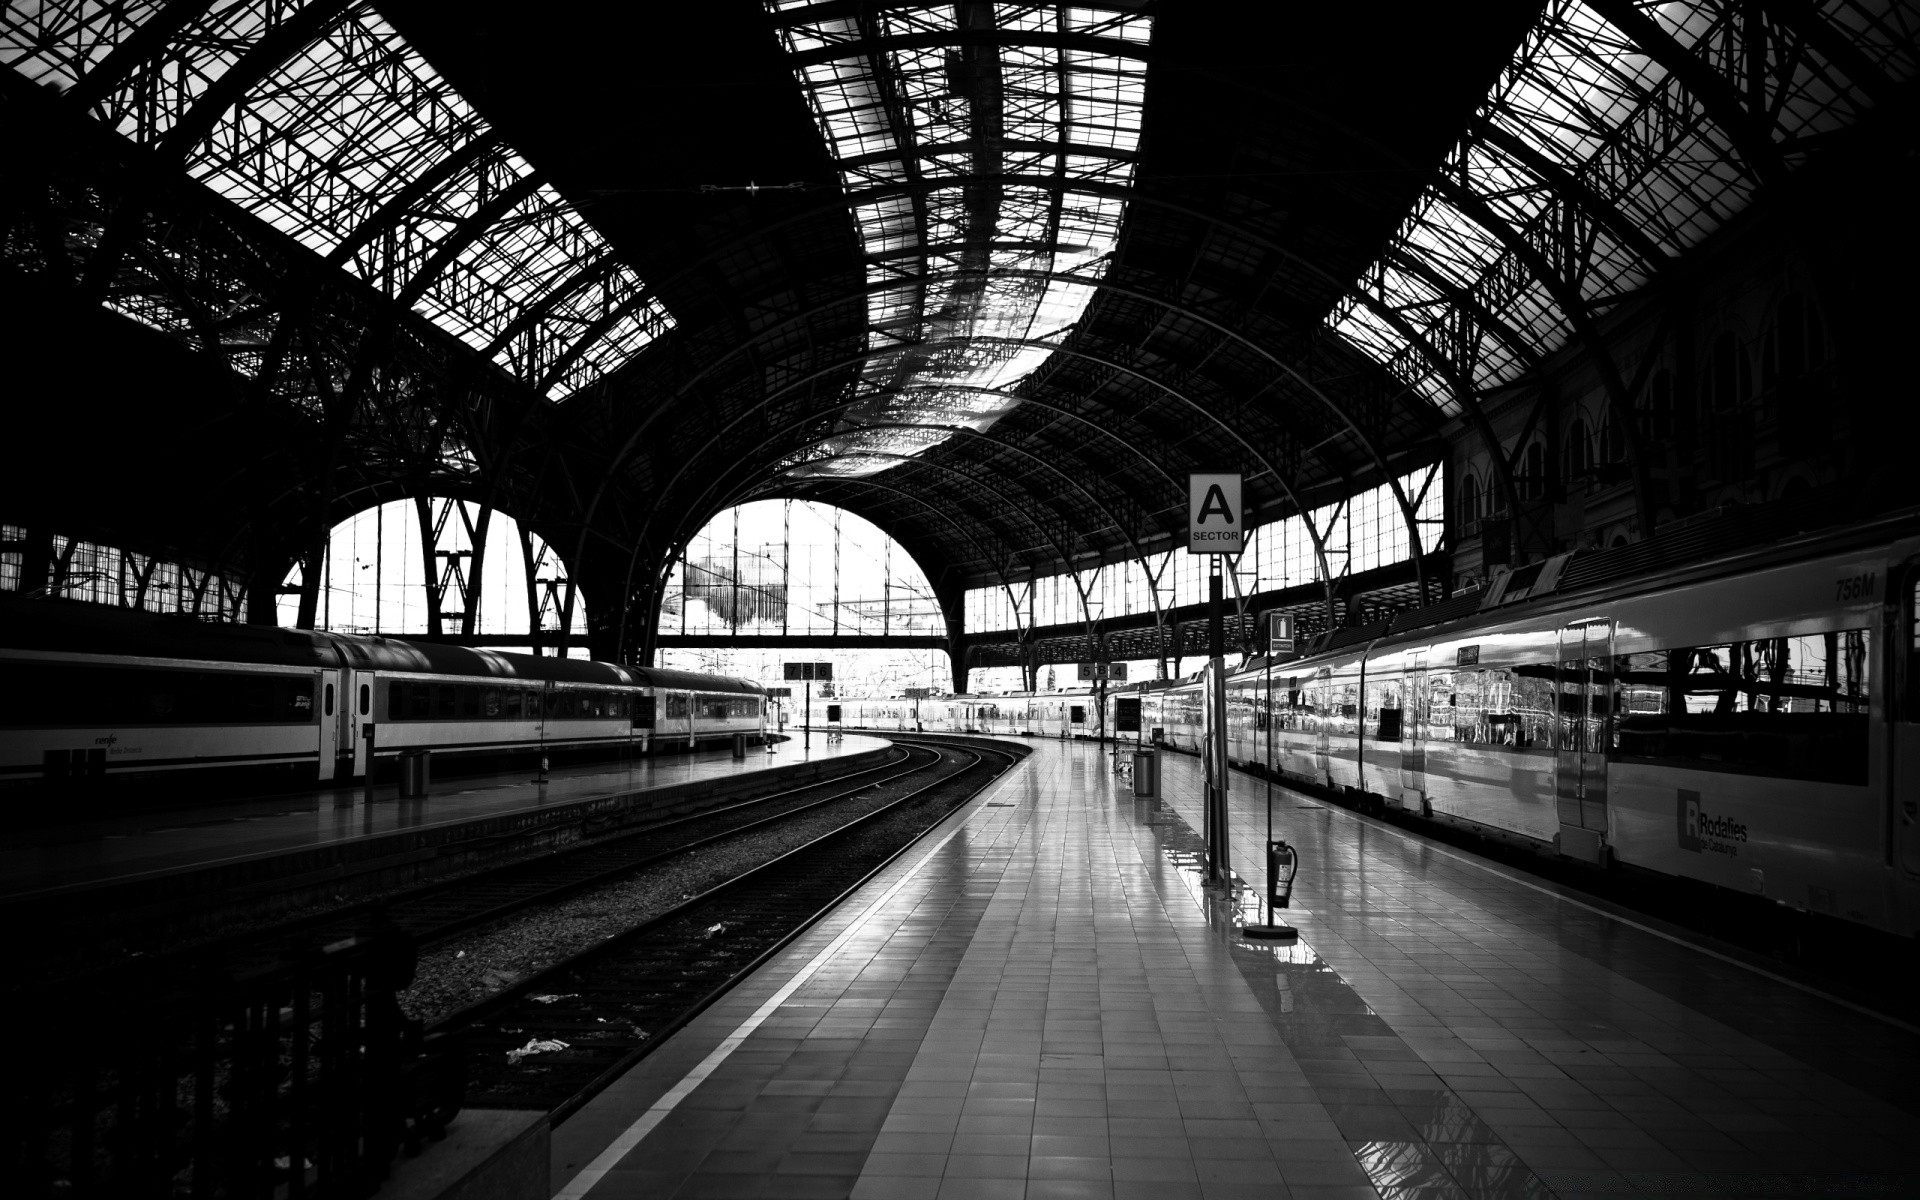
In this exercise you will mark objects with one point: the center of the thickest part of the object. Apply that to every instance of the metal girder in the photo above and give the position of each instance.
(213, 277)
(1200, 410)
(1567, 295)
(1801, 17)
(1199, 318)
(922, 462)
(651, 631)
(1707, 86)
(148, 39)
(699, 504)
(690, 460)
(1573, 189)
(956, 38)
(391, 215)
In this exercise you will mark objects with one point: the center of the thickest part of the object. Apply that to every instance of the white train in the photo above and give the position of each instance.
(1750, 721)
(89, 693)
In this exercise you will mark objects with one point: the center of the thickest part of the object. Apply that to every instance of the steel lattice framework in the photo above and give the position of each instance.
(1004, 320)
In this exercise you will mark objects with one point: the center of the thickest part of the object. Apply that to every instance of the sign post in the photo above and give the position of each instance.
(1279, 634)
(1216, 526)
(809, 671)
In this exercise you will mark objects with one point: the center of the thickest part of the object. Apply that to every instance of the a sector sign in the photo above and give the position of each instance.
(1215, 522)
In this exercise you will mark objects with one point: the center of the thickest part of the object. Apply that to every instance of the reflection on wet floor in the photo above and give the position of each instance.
(1420, 1139)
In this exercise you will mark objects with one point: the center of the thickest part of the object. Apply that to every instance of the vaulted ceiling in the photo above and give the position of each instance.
(995, 276)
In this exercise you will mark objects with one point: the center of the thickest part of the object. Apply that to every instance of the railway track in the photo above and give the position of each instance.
(614, 1002)
(444, 908)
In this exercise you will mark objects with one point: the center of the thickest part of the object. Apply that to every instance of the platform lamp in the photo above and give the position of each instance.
(1283, 863)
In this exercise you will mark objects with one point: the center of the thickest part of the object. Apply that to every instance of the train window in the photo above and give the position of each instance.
(677, 707)
(510, 702)
(1913, 650)
(366, 699)
(490, 702)
(329, 700)
(446, 700)
(469, 700)
(1795, 707)
(419, 701)
(1500, 706)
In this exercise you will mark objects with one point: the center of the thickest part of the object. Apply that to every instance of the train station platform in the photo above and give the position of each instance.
(1040, 1000)
(332, 832)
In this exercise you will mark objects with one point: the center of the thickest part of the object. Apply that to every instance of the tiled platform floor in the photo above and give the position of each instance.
(1040, 1001)
(128, 846)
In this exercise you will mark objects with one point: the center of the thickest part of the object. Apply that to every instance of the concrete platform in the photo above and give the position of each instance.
(1041, 1001)
(333, 833)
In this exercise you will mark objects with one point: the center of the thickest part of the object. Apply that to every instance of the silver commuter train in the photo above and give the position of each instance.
(96, 693)
(1750, 721)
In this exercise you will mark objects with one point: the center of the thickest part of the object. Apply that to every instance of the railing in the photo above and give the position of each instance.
(299, 1078)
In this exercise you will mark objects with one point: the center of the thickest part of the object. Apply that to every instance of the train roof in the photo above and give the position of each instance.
(76, 627)
(81, 628)
(665, 677)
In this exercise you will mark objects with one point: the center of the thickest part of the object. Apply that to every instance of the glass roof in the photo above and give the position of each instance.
(956, 153)
(336, 133)
(1583, 101)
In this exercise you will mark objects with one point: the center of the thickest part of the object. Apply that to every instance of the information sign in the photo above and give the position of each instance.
(1279, 633)
(916, 693)
(780, 693)
(1089, 672)
(1215, 523)
(814, 670)
(1126, 714)
(833, 714)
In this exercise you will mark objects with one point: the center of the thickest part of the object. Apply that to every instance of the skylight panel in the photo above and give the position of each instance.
(320, 144)
(983, 312)
(1585, 98)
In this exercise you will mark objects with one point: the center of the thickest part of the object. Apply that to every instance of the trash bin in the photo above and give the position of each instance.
(739, 745)
(1146, 775)
(416, 773)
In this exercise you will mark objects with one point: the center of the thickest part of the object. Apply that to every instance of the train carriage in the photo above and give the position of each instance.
(89, 694)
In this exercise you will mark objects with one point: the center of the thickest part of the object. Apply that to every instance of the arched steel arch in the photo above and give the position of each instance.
(842, 365)
(650, 633)
(700, 504)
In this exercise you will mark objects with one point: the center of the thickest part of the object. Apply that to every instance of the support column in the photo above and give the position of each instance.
(1215, 743)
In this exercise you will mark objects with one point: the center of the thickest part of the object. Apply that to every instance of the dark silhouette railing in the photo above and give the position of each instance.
(296, 1078)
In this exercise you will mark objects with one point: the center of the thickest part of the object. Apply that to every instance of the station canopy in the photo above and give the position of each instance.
(994, 275)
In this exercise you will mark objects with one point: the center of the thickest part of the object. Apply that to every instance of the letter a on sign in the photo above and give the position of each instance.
(1215, 524)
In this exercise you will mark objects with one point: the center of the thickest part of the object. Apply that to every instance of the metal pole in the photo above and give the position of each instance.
(808, 741)
(1218, 859)
(366, 731)
(1269, 774)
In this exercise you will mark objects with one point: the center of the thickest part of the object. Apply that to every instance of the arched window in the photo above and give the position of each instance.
(1727, 419)
(1469, 499)
(1613, 439)
(1794, 351)
(1534, 472)
(1656, 408)
(490, 577)
(1576, 459)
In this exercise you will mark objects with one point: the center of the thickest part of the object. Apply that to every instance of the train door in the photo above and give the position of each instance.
(331, 702)
(356, 708)
(1323, 702)
(1905, 774)
(1584, 685)
(362, 712)
(1413, 728)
